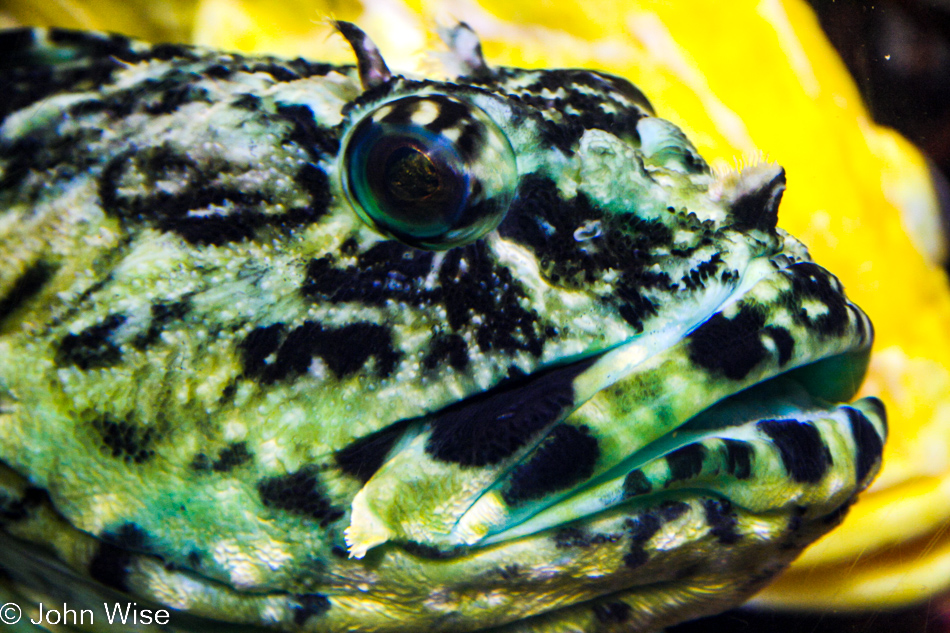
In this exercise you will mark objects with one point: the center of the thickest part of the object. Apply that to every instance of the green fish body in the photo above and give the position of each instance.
(328, 348)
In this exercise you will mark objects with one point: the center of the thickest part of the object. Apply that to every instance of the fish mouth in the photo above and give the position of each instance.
(767, 448)
(746, 404)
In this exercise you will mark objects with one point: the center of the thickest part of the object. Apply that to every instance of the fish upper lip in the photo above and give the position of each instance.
(810, 369)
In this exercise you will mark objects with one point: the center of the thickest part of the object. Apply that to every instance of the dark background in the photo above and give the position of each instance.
(909, 91)
(898, 52)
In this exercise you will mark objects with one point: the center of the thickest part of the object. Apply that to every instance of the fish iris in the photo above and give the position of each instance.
(430, 171)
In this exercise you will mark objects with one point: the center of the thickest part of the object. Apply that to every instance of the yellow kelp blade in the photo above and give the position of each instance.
(754, 76)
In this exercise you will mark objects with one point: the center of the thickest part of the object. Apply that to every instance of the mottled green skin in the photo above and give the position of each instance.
(223, 392)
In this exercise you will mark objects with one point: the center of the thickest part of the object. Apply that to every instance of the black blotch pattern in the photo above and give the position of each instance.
(738, 458)
(236, 454)
(722, 520)
(115, 105)
(450, 114)
(469, 142)
(40, 154)
(469, 285)
(176, 95)
(290, 69)
(401, 111)
(389, 271)
(154, 96)
(247, 101)
(612, 612)
(344, 350)
(490, 292)
(731, 347)
(165, 52)
(486, 428)
(215, 229)
(260, 343)
(697, 277)
(314, 181)
(309, 605)
(812, 282)
(540, 219)
(672, 510)
(364, 456)
(570, 537)
(867, 442)
(299, 493)
(759, 209)
(218, 71)
(28, 75)
(27, 285)
(281, 70)
(110, 563)
(860, 322)
(126, 440)
(803, 452)
(879, 409)
(245, 215)
(162, 164)
(162, 314)
(451, 348)
(350, 246)
(686, 462)
(635, 307)
(784, 343)
(92, 347)
(621, 85)
(19, 508)
(580, 109)
(515, 372)
(641, 529)
(319, 142)
(201, 462)
(565, 457)
(280, 73)
(636, 483)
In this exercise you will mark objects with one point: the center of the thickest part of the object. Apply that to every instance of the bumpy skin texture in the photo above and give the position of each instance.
(224, 392)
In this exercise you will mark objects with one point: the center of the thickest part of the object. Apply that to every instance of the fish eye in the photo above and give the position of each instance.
(431, 171)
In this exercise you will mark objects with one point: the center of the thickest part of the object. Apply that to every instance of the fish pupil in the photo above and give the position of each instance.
(419, 191)
(411, 176)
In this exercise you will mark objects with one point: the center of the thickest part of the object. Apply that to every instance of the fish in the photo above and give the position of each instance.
(328, 347)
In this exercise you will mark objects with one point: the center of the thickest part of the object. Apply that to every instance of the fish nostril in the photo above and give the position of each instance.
(588, 231)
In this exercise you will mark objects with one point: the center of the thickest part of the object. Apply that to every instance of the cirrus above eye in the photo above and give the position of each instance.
(431, 171)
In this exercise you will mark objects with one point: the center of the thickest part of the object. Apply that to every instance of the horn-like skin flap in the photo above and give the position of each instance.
(372, 67)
